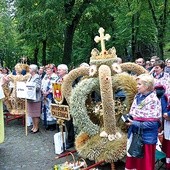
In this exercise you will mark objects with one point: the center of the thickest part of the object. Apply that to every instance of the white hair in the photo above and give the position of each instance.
(84, 65)
(34, 67)
(147, 80)
(63, 66)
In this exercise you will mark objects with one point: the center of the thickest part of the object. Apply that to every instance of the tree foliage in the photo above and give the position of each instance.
(63, 31)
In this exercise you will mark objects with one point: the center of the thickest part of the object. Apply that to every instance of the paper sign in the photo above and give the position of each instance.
(26, 90)
(21, 89)
(31, 90)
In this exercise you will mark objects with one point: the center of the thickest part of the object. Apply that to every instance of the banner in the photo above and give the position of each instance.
(60, 111)
(57, 94)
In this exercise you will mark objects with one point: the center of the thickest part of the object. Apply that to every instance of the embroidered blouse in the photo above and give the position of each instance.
(163, 79)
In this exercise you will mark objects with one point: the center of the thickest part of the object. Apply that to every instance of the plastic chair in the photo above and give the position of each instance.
(160, 158)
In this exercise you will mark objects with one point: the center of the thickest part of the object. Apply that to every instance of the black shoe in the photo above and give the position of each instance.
(47, 127)
(33, 132)
(69, 145)
(51, 127)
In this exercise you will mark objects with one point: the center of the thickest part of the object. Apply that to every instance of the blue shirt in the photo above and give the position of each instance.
(140, 97)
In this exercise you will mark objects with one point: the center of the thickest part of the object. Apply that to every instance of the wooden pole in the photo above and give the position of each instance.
(1, 122)
(26, 112)
(62, 133)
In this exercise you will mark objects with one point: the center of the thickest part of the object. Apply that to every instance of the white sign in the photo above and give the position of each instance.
(31, 90)
(26, 90)
(21, 89)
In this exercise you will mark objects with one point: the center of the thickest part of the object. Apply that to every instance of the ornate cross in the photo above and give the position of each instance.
(102, 38)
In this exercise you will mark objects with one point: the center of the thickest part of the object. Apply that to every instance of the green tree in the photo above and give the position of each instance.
(7, 37)
(160, 12)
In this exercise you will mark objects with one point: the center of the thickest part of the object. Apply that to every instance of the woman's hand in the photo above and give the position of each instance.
(166, 117)
(130, 122)
(5, 80)
(45, 93)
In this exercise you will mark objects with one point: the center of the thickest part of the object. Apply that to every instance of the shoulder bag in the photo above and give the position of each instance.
(136, 147)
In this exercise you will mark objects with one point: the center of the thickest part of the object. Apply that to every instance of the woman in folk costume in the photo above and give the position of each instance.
(46, 88)
(146, 113)
(161, 78)
(34, 105)
(165, 124)
(166, 137)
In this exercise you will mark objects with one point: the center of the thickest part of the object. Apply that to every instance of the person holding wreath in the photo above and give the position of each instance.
(146, 113)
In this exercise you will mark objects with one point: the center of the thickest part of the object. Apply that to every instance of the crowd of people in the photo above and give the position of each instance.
(39, 108)
(49, 75)
(150, 109)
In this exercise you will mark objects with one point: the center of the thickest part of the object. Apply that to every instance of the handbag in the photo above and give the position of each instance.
(136, 147)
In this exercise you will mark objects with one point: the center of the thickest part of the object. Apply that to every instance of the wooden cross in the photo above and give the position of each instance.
(102, 38)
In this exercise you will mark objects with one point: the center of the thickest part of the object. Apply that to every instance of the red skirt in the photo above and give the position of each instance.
(145, 163)
(166, 150)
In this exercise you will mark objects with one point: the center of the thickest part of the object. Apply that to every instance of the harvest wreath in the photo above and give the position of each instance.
(101, 134)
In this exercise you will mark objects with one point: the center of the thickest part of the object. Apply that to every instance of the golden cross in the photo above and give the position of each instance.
(102, 38)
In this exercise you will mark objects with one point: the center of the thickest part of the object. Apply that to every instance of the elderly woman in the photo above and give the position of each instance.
(34, 106)
(146, 113)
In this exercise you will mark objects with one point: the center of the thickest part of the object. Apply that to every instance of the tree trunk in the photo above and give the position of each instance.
(70, 29)
(44, 42)
(36, 54)
(161, 45)
(68, 43)
(135, 30)
(133, 38)
(160, 24)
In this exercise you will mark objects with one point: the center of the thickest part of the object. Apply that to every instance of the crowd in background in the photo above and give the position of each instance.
(44, 76)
